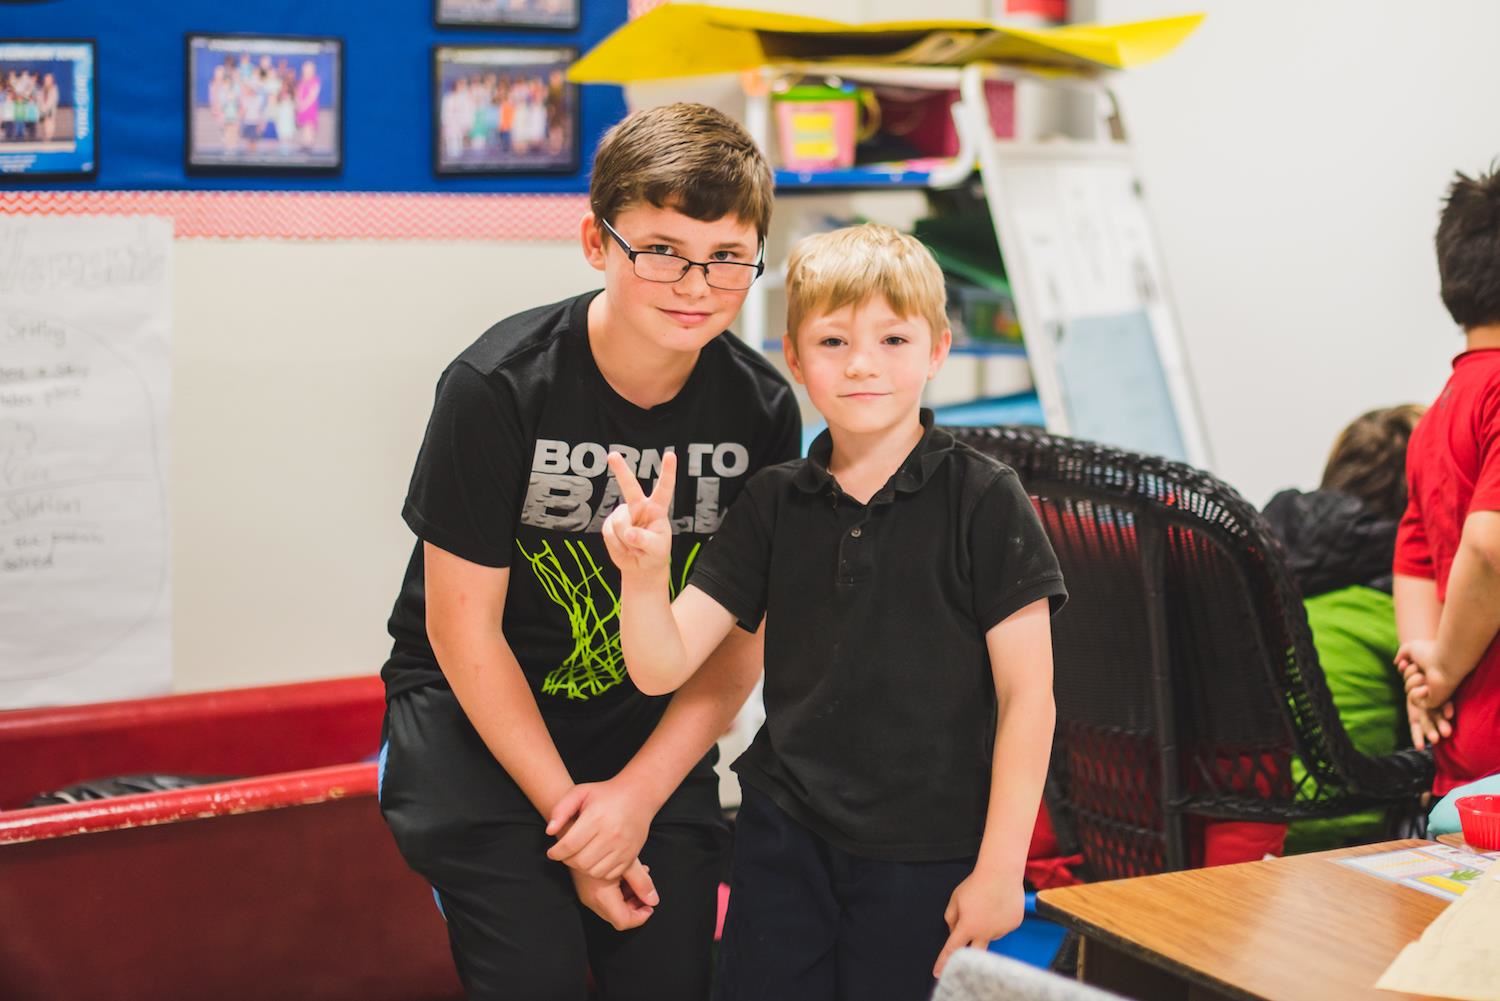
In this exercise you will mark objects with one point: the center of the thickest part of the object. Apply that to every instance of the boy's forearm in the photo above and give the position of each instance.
(1023, 745)
(1418, 610)
(698, 715)
(649, 635)
(492, 689)
(1471, 615)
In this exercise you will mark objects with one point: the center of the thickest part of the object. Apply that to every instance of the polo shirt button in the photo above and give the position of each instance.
(855, 533)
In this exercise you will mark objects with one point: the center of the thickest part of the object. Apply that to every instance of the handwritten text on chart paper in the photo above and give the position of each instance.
(84, 520)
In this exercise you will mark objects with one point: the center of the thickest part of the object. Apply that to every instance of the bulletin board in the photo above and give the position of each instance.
(1092, 297)
(388, 102)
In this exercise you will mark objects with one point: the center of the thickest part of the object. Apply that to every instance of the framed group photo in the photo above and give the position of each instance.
(556, 14)
(504, 110)
(261, 103)
(48, 125)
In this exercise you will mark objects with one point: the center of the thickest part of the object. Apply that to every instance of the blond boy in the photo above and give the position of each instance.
(906, 585)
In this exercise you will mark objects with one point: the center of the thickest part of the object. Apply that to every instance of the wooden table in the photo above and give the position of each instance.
(1282, 929)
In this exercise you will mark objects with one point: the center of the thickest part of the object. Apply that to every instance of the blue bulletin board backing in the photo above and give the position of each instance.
(388, 103)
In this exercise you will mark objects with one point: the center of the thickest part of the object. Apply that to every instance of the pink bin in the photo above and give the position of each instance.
(816, 127)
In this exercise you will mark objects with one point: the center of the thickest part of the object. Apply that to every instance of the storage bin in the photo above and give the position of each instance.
(817, 126)
(982, 315)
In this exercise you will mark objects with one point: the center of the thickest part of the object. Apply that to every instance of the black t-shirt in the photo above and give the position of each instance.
(512, 474)
(880, 698)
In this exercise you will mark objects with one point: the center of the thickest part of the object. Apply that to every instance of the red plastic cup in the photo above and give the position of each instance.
(1480, 818)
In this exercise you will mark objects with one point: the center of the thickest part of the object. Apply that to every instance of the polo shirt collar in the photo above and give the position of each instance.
(915, 470)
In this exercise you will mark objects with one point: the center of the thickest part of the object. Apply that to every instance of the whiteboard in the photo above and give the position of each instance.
(85, 590)
(1092, 296)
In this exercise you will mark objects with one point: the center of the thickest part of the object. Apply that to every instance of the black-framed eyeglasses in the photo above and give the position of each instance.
(730, 276)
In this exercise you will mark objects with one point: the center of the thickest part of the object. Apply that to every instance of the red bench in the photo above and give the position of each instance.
(282, 884)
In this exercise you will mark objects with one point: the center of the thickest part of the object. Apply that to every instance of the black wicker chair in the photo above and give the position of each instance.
(1186, 674)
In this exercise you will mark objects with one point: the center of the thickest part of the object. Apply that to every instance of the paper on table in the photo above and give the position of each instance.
(1441, 870)
(1458, 956)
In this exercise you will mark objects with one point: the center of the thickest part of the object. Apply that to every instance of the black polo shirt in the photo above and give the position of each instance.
(880, 700)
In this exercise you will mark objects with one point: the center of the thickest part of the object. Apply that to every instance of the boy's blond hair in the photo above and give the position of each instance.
(684, 156)
(850, 266)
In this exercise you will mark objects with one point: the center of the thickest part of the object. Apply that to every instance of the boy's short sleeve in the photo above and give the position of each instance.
(1413, 554)
(1487, 483)
(733, 568)
(1013, 560)
(469, 473)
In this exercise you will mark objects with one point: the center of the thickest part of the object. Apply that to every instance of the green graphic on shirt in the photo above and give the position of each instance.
(580, 589)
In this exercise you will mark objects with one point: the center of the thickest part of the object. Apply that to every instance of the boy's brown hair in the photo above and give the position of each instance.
(1468, 249)
(1369, 458)
(688, 157)
(850, 266)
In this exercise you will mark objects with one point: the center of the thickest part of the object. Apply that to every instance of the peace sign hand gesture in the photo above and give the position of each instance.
(638, 534)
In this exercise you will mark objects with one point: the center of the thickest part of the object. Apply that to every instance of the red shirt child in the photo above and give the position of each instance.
(1447, 566)
(1453, 470)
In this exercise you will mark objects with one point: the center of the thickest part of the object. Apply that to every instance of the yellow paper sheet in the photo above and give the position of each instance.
(676, 40)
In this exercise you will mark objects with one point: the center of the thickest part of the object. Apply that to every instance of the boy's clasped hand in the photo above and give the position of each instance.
(1429, 690)
(600, 829)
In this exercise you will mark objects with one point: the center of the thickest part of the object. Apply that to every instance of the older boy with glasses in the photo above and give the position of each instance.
(508, 701)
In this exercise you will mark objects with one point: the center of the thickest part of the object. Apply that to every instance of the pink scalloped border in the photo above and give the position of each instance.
(320, 215)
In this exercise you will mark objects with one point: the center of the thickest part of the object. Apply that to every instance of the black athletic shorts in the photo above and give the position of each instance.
(516, 927)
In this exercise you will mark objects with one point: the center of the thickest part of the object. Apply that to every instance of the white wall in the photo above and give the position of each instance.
(1295, 178)
(302, 378)
(1295, 156)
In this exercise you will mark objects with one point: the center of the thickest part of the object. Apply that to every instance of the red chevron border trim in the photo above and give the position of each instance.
(323, 215)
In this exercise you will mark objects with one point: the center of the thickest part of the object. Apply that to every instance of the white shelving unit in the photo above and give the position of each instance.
(807, 200)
